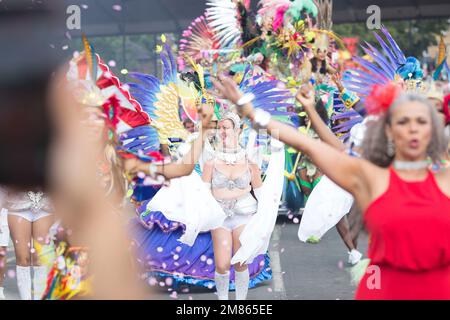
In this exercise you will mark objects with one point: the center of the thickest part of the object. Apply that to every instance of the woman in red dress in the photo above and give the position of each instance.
(406, 206)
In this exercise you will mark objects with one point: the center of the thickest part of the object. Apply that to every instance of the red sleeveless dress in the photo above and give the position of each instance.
(409, 248)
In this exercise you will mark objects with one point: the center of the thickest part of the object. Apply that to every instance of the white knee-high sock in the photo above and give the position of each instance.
(39, 281)
(242, 279)
(23, 275)
(222, 284)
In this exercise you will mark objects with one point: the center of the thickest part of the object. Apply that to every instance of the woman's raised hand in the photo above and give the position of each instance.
(306, 96)
(206, 111)
(228, 89)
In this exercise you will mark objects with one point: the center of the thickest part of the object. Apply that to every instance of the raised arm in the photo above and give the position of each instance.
(188, 162)
(325, 134)
(256, 176)
(350, 173)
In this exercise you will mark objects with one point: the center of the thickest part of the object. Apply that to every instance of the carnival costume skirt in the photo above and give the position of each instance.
(162, 256)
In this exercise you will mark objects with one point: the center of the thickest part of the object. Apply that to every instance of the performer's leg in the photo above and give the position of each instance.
(40, 230)
(20, 229)
(3, 256)
(242, 277)
(344, 231)
(222, 242)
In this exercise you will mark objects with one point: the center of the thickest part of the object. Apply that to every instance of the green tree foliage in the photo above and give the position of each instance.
(136, 54)
(412, 36)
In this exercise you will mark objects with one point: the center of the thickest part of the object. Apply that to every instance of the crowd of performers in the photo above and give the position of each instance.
(252, 113)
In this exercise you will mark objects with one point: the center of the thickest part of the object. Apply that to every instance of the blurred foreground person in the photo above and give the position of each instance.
(46, 146)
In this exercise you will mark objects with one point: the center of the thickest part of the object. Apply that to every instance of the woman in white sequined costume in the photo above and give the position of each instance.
(231, 177)
(29, 219)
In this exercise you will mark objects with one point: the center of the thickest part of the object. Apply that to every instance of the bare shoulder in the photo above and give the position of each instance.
(375, 182)
(443, 180)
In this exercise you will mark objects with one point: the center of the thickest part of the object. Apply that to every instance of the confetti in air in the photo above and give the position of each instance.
(117, 7)
(152, 281)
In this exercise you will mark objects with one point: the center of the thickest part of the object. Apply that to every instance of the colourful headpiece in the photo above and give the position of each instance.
(230, 115)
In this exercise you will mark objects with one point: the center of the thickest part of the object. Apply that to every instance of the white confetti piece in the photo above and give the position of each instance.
(152, 281)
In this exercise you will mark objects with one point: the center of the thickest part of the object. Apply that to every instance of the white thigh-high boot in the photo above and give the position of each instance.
(222, 284)
(242, 279)
(39, 281)
(23, 275)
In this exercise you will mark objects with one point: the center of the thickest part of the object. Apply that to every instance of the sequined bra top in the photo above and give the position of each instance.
(221, 181)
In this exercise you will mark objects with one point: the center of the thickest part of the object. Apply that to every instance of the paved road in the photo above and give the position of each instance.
(300, 270)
